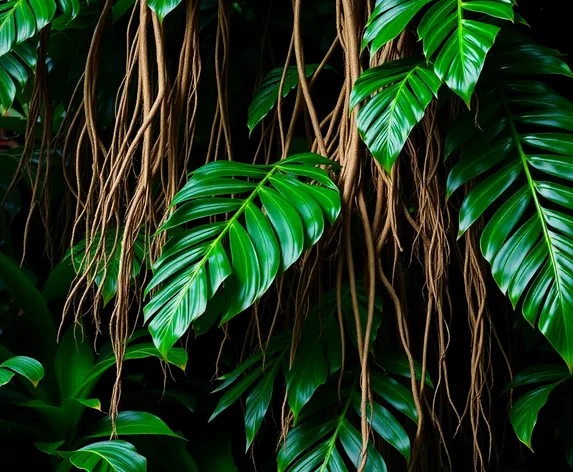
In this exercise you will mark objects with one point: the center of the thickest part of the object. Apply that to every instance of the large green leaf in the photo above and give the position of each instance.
(529, 238)
(132, 423)
(387, 426)
(388, 20)
(108, 456)
(15, 68)
(21, 19)
(523, 414)
(196, 265)
(318, 355)
(399, 93)
(267, 93)
(352, 444)
(324, 430)
(27, 367)
(258, 403)
(458, 44)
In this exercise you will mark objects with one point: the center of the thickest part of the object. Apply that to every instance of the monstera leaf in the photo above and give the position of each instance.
(196, 263)
(524, 154)
(400, 92)
(452, 39)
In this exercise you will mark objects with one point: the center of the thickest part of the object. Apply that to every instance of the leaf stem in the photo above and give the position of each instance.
(334, 437)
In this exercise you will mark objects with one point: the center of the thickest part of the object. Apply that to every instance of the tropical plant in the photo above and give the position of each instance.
(61, 398)
(422, 140)
(321, 419)
(194, 264)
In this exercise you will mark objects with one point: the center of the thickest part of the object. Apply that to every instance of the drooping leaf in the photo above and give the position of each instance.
(27, 367)
(49, 448)
(197, 265)
(399, 93)
(395, 393)
(258, 403)
(309, 371)
(352, 444)
(387, 426)
(524, 412)
(176, 356)
(529, 238)
(108, 456)
(93, 403)
(15, 68)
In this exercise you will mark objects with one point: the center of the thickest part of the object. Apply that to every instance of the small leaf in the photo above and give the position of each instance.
(266, 96)
(524, 412)
(25, 366)
(163, 7)
(258, 403)
(308, 372)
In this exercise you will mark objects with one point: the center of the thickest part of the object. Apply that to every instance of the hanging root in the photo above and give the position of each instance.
(152, 138)
(38, 174)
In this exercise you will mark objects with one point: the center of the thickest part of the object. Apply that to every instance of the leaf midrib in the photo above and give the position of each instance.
(460, 29)
(538, 207)
(334, 437)
(11, 14)
(395, 101)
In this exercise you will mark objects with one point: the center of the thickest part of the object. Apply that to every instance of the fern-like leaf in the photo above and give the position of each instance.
(243, 253)
(525, 154)
(403, 89)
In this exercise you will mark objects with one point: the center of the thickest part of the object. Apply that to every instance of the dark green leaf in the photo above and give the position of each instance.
(524, 412)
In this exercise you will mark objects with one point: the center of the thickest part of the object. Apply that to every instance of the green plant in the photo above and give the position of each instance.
(60, 398)
(142, 179)
(194, 264)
